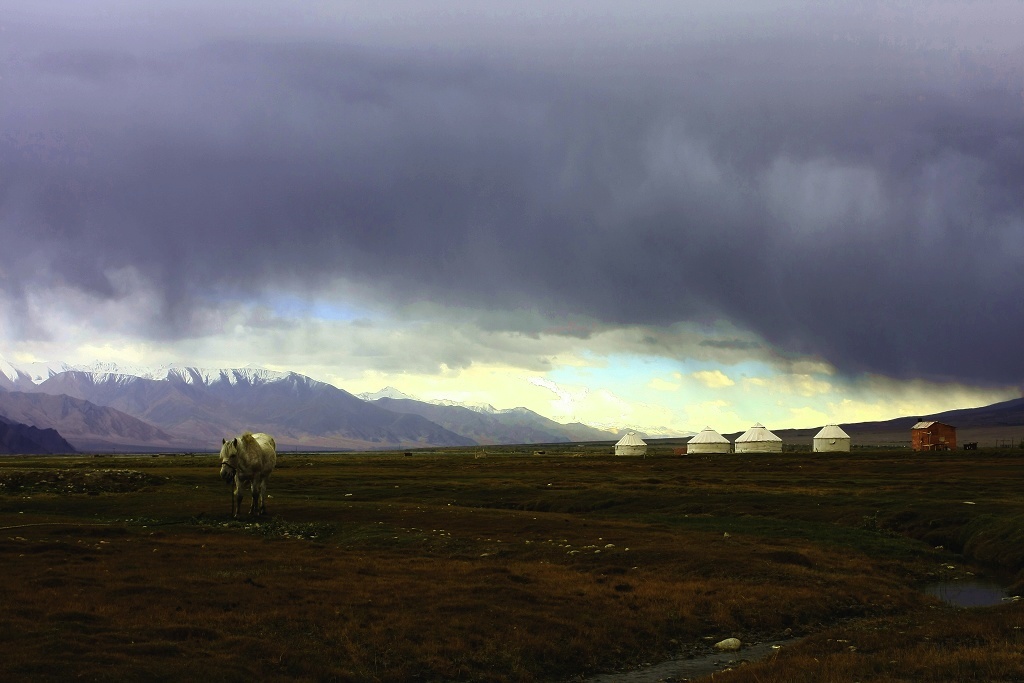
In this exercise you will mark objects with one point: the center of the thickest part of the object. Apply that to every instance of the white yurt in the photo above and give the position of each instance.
(708, 441)
(831, 438)
(758, 439)
(631, 444)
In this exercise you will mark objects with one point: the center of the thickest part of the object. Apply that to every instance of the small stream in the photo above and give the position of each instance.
(968, 593)
(694, 667)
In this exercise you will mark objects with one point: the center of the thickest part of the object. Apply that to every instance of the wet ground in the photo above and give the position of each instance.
(694, 667)
(968, 593)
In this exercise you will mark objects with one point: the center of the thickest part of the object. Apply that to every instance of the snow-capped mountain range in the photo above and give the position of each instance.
(393, 393)
(106, 406)
(39, 372)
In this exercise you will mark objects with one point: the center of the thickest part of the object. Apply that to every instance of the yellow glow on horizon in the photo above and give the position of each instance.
(805, 416)
(659, 384)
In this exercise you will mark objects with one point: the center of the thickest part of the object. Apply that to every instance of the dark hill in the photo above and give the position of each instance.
(18, 438)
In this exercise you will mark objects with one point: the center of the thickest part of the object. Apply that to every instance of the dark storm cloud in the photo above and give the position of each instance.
(731, 344)
(845, 184)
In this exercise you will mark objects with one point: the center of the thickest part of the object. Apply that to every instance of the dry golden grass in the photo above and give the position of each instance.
(936, 645)
(445, 567)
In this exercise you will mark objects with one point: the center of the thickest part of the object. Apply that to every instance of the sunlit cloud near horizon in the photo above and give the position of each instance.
(653, 217)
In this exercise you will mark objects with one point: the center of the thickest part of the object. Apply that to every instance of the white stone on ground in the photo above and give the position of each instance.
(728, 645)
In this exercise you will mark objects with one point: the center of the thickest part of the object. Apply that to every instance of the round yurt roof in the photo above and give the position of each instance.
(631, 439)
(709, 435)
(831, 432)
(757, 433)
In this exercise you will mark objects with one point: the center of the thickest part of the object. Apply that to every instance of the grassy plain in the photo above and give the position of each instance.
(509, 567)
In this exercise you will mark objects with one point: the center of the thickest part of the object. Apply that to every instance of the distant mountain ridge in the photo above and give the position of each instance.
(197, 408)
(1003, 414)
(521, 421)
(85, 425)
(192, 408)
(393, 393)
(518, 425)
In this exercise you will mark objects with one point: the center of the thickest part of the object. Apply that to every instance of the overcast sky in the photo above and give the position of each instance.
(658, 215)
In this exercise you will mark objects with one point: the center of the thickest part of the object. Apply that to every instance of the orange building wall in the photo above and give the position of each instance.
(935, 438)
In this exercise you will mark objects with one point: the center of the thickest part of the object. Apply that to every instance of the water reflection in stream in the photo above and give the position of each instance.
(967, 593)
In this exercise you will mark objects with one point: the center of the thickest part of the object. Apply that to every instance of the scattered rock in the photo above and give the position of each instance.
(72, 481)
(728, 645)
